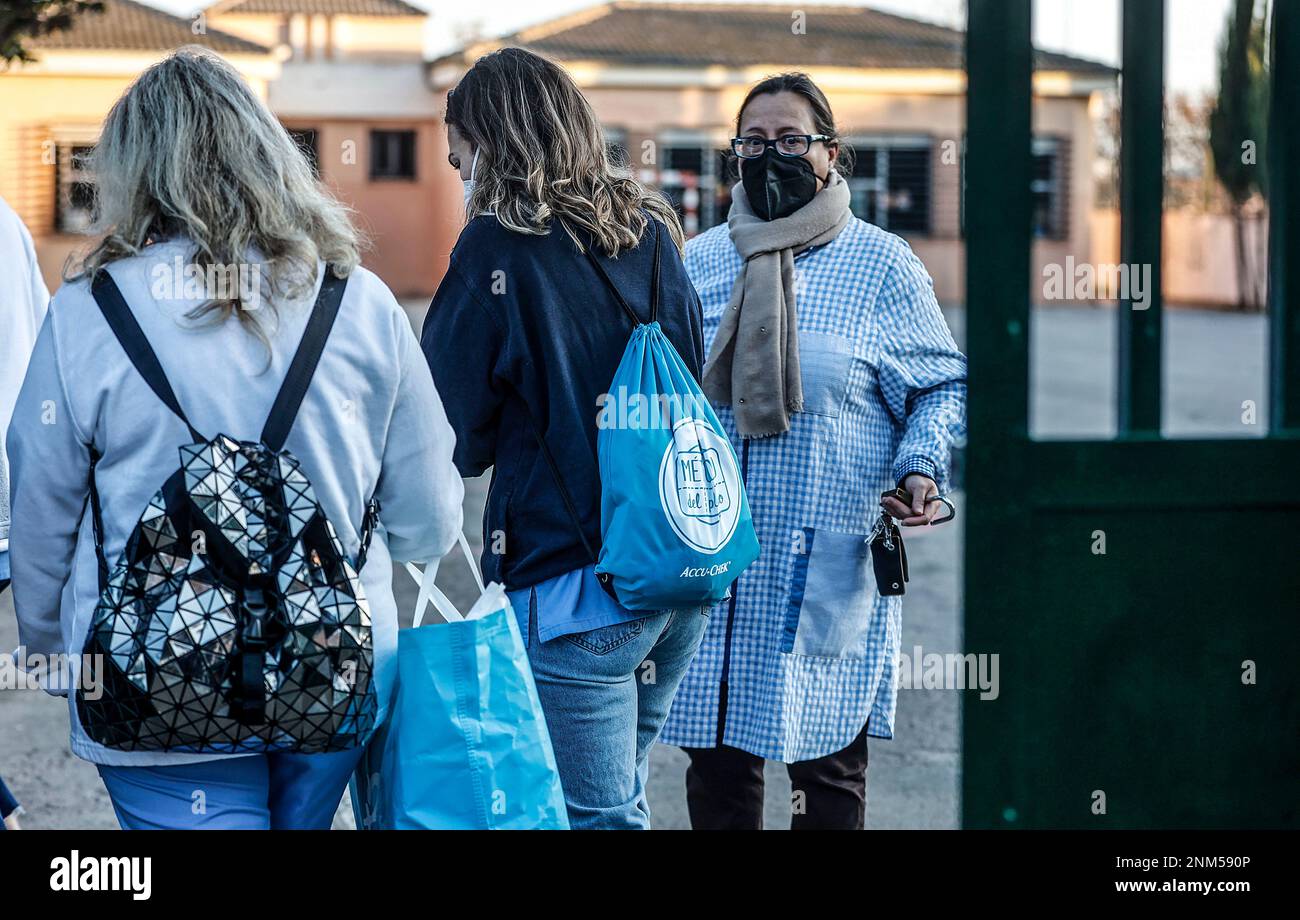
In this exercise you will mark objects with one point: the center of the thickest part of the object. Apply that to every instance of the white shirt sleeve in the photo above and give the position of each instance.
(420, 492)
(49, 464)
(40, 297)
(23, 303)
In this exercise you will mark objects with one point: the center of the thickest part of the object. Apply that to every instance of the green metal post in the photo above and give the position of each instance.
(1284, 222)
(999, 237)
(998, 216)
(1141, 205)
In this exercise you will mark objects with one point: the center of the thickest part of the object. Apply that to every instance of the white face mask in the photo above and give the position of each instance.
(469, 183)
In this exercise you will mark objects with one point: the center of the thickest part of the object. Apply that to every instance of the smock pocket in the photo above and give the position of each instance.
(832, 595)
(824, 364)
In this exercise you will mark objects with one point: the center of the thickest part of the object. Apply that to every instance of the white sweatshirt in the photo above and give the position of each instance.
(371, 424)
(23, 300)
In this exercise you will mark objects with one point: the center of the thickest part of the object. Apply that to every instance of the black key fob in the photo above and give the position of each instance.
(889, 559)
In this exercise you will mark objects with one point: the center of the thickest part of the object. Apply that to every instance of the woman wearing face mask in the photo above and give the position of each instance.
(837, 379)
(524, 336)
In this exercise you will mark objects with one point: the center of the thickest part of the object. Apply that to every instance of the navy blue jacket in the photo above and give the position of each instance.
(523, 330)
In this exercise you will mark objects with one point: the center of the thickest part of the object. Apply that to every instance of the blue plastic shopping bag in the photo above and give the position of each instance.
(465, 746)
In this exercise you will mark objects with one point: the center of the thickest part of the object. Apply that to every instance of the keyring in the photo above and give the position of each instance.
(952, 510)
(900, 495)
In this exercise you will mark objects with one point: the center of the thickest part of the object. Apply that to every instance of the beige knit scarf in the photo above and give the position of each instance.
(753, 365)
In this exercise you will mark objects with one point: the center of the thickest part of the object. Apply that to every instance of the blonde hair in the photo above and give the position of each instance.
(542, 155)
(189, 151)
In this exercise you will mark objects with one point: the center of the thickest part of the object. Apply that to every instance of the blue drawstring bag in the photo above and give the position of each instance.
(675, 524)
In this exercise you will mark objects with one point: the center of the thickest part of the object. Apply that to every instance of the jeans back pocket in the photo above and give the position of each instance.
(604, 639)
(832, 595)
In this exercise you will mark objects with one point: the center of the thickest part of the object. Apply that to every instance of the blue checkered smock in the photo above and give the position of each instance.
(791, 668)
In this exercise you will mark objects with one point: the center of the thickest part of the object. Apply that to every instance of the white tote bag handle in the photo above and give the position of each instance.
(430, 593)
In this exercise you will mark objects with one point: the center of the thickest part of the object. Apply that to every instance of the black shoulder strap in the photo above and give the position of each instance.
(303, 366)
(133, 342)
(618, 295)
(554, 467)
(605, 579)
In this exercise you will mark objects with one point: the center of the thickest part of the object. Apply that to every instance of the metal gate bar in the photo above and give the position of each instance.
(998, 216)
(1141, 182)
(1150, 682)
(1284, 212)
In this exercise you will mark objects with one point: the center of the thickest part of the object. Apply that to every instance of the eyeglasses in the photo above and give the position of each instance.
(787, 145)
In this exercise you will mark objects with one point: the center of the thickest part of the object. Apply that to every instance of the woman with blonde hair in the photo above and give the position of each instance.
(524, 336)
(223, 277)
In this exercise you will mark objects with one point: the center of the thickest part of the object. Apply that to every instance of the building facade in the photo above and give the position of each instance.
(345, 76)
(666, 81)
(51, 111)
(352, 91)
(348, 79)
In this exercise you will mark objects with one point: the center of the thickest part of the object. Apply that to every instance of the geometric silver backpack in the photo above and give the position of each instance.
(232, 622)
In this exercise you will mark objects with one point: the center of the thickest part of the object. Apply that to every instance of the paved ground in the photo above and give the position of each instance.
(1214, 363)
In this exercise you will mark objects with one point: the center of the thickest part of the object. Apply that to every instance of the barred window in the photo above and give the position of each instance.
(693, 175)
(1049, 187)
(74, 188)
(891, 183)
(308, 141)
(392, 154)
(616, 146)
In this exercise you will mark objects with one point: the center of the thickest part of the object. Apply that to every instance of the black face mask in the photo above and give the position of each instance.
(777, 186)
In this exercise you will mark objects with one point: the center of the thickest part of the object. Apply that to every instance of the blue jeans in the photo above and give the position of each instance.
(8, 804)
(257, 792)
(606, 694)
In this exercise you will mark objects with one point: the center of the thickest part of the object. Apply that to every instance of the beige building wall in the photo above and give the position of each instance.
(344, 36)
(651, 112)
(63, 98)
(1199, 264)
(380, 36)
(266, 29)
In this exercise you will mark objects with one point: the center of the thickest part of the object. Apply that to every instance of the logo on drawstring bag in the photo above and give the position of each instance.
(698, 482)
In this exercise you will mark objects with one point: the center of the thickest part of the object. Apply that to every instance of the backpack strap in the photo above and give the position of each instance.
(618, 295)
(97, 522)
(605, 581)
(138, 350)
(303, 366)
(132, 339)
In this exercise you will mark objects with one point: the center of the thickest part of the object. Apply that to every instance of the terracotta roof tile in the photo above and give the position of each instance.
(322, 7)
(125, 25)
(668, 34)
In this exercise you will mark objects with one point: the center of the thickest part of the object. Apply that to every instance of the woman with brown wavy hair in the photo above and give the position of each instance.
(524, 337)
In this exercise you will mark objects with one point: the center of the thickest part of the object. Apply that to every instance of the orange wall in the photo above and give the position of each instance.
(412, 225)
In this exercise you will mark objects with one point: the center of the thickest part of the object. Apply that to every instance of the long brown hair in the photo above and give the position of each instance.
(542, 155)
